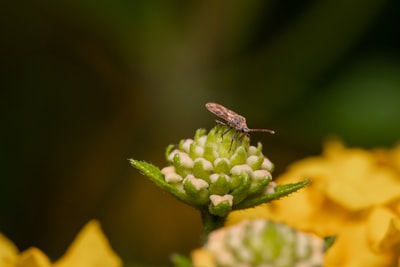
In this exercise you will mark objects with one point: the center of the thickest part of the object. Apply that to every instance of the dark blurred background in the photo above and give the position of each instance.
(88, 84)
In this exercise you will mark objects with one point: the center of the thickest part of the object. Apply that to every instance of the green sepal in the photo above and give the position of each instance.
(200, 172)
(259, 149)
(222, 167)
(199, 133)
(221, 210)
(180, 145)
(198, 197)
(258, 163)
(280, 191)
(211, 146)
(220, 186)
(168, 152)
(239, 157)
(241, 186)
(179, 169)
(155, 175)
(209, 151)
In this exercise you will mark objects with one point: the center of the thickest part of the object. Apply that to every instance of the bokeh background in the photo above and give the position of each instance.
(85, 85)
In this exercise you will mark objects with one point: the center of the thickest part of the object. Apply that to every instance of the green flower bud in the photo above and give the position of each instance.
(196, 189)
(264, 243)
(217, 165)
(219, 184)
(220, 205)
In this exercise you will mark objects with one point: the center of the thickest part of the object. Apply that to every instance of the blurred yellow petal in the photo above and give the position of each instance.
(351, 249)
(307, 210)
(356, 180)
(33, 257)
(347, 186)
(395, 156)
(202, 258)
(90, 249)
(383, 229)
(8, 252)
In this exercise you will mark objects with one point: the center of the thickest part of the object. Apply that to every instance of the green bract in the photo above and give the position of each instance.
(216, 174)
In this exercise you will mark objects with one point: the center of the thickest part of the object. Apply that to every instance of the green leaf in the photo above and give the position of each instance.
(155, 175)
(180, 260)
(259, 186)
(280, 191)
(328, 242)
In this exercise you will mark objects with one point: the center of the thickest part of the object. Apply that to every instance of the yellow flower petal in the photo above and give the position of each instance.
(395, 156)
(347, 186)
(33, 257)
(8, 252)
(351, 249)
(90, 249)
(383, 229)
(202, 258)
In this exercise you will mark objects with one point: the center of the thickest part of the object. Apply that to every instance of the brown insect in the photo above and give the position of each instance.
(233, 121)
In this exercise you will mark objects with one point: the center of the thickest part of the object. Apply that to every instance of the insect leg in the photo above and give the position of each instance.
(233, 138)
(225, 132)
(243, 135)
(221, 122)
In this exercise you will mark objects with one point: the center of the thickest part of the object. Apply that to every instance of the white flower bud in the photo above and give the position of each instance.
(197, 183)
(186, 145)
(207, 166)
(214, 177)
(252, 160)
(202, 140)
(199, 151)
(252, 150)
(167, 170)
(218, 160)
(173, 178)
(270, 188)
(261, 174)
(217, 199)
(185, 159)
(267, 165)
(216, 244)
(239, 169)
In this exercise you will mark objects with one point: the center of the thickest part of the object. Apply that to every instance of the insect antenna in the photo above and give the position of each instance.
(262, 130)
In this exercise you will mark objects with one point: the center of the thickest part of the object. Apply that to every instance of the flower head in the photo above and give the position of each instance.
(218, 171)
(260, 243)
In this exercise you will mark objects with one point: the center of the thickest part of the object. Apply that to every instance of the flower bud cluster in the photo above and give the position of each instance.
(261, 243)
(218, 172)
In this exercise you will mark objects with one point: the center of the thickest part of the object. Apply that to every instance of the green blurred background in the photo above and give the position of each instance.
(88, 84)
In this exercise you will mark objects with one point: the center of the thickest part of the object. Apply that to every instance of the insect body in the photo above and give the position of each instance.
(233, 120)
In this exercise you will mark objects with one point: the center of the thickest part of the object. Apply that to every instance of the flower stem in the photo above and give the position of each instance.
(210, 223)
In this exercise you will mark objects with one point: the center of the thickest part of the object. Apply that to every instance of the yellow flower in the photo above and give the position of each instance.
(90, 248)
(8, 252)
(354, 194)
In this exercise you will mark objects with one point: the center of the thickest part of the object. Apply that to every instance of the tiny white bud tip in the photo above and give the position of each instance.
(186, 145)
(267, 164)
(197, 183)
(217, 199)
(207, 166)
(239, 169)
(261, 174)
